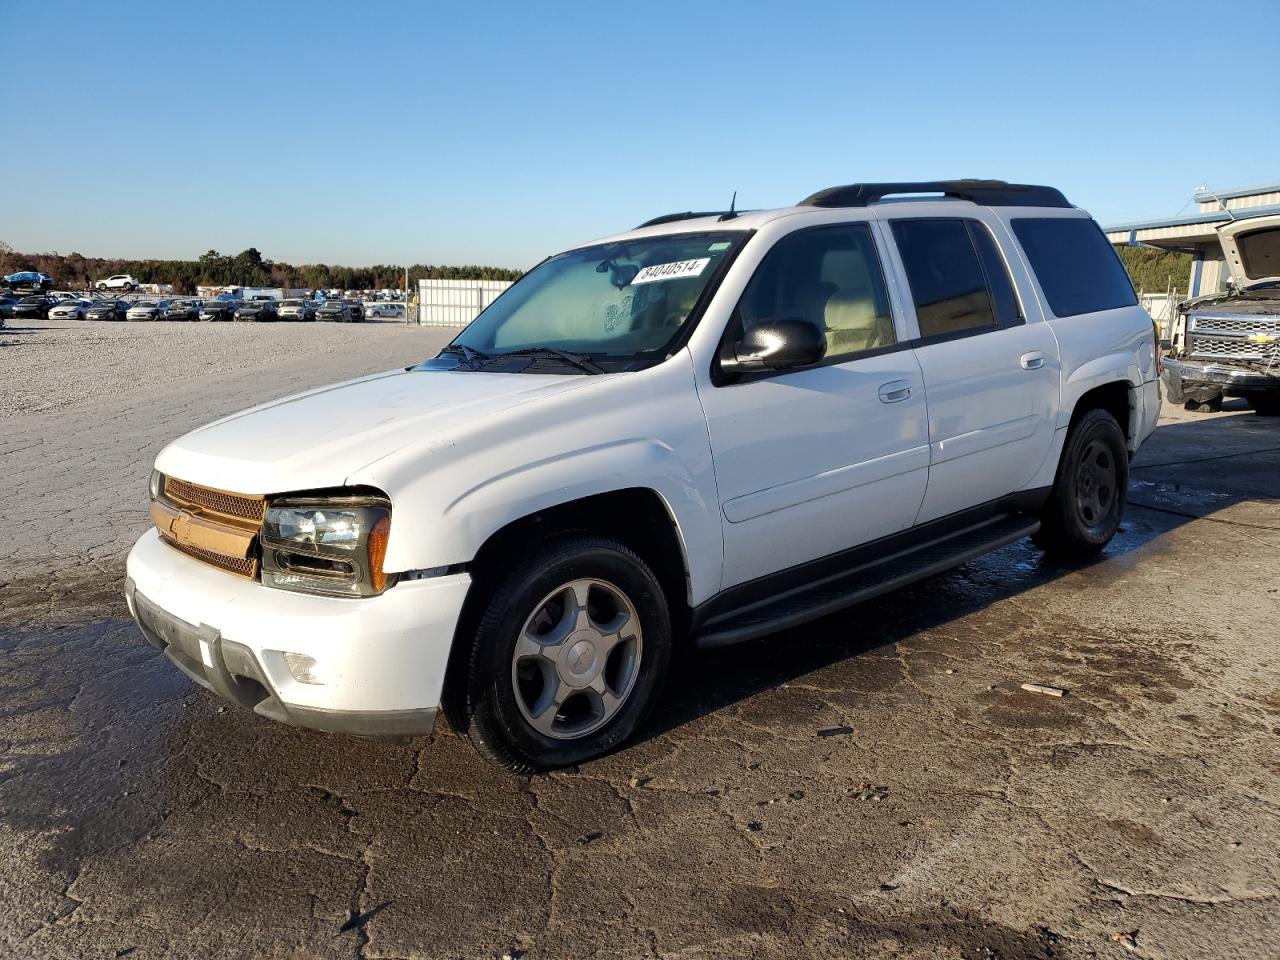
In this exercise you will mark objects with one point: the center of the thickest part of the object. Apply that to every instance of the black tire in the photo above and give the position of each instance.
(482, 699)
(1086, 505)
(128, 288)
(1265, 404)
(1212, 405)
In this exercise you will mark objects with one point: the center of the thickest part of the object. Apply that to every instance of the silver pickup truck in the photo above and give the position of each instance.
(1228, 344)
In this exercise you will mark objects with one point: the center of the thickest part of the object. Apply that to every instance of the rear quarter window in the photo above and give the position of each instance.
(1078, 269)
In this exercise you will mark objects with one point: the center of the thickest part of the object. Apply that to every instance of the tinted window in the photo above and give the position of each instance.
(947, 281)
(998, 283)
(829, 276)
(1078, 268)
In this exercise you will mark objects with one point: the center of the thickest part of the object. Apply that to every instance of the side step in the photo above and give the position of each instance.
(862, 582)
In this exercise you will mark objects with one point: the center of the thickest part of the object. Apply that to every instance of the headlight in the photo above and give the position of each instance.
(332, 546)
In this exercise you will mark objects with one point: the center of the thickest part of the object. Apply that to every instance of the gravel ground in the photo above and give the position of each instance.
(873, 785)
(62, 366)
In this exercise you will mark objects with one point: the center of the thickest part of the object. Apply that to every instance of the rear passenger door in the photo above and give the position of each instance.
(991, 372)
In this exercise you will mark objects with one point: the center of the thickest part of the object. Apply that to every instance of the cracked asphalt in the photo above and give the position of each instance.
(873, 785)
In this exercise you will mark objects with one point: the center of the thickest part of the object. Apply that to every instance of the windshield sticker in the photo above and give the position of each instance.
(671, 271)
(717, 247)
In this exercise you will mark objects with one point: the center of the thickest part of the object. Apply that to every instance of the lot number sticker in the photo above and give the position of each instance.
(672, 271)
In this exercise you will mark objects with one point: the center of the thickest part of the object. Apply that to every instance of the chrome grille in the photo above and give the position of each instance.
(1235, 348)
(219, 501)
(1238, 324)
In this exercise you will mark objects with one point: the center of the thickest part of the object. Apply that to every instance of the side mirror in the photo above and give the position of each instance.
(775, 345)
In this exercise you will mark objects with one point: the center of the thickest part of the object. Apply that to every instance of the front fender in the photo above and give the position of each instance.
(645, 431)
(481, 511)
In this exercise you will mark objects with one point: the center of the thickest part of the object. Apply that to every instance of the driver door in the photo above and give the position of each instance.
(813, 461)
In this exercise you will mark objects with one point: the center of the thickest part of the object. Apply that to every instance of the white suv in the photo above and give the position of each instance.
(121, 281)
(706, 429)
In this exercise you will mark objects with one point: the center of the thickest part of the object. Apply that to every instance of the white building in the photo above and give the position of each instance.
(1194, 232)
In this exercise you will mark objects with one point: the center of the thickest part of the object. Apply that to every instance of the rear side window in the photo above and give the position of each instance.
(948, 284)
(1078, 268)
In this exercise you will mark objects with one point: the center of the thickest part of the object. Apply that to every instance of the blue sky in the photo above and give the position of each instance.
(495, 133)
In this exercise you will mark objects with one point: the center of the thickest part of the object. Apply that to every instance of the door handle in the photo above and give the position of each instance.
(895, 391)
(1032, 361)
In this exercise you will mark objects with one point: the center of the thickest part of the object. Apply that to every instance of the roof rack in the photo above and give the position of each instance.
(988, 193)
(687, 215)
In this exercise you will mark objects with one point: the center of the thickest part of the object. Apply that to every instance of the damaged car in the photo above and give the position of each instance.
(1228, 343)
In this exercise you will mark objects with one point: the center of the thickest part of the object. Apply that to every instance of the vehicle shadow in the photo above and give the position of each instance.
(1191, 469)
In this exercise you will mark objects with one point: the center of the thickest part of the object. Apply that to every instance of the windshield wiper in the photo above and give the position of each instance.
(473, 358)
(583, 363)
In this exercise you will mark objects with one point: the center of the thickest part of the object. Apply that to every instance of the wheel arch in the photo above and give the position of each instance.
(638, 517)
(1118, 398)
(1108, 383)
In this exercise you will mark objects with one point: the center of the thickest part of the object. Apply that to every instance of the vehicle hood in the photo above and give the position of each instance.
(321, 438)
(1252, 249)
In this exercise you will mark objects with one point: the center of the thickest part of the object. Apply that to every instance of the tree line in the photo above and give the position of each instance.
(1150, 269)
(246, 269)
(1154, 271)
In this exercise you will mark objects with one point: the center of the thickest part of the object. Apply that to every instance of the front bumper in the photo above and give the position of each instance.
(1233, 379)
(382, 659)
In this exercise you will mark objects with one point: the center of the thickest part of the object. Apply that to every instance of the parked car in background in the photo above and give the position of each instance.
(357, 309)
(182, 308)
(120, 281)
(701, 431)
(30, 281)
(6, 305)
(219, 309)
(297, 310)
(336, 311)
(35, 306)
(107, 310)
(1228, 344)
(146, 310)
(261, 311)
(70, 309)
(384, 309)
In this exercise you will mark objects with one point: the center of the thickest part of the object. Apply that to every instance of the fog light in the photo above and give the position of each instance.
(303, 668)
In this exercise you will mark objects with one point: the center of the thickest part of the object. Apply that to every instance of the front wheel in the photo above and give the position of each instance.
(568, 658)
(1087, 502)
(1265, 404)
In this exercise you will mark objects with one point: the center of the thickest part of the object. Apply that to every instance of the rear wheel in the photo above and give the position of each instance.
(128, 288)
(569, 655)
(1089, 493)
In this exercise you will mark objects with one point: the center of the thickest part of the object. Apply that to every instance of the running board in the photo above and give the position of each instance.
(862, 582)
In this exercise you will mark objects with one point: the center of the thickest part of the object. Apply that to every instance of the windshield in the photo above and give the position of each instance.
(611, 300)
(290, 303)
(144, 303)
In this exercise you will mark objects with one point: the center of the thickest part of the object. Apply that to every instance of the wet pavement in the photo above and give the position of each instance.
(873, 785)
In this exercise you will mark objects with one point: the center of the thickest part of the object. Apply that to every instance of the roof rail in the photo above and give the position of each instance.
(687, 215)
(988, 193)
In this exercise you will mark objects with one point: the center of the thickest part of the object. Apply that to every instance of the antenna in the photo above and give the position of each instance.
(732, 214)
(1205, 188)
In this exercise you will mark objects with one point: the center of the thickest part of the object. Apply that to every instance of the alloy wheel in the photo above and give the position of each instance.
(577, 658)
